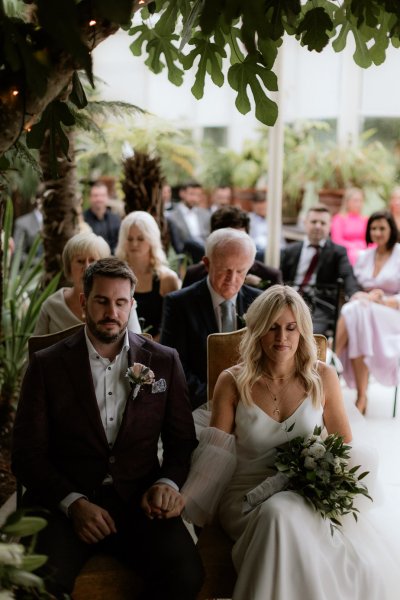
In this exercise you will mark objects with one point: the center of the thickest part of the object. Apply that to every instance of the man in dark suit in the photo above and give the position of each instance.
(85, 445)
(318, 261)
(99, 216)
(191, 314)
(260, 275)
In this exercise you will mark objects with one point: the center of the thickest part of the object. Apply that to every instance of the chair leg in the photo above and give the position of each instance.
(395, 401)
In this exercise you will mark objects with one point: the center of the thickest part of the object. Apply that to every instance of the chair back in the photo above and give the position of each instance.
(39, 342)
(223, 352)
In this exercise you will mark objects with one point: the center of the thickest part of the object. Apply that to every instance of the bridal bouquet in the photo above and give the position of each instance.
(318, 469)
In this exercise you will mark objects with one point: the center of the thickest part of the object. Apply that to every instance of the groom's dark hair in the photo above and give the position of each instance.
(111, 267)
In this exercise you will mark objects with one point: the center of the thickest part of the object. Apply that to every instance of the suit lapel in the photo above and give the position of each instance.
(205, 309)
(77, 362)
(136, 354)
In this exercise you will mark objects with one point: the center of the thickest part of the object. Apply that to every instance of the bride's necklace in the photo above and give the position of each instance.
(275, 402)
(278, 378)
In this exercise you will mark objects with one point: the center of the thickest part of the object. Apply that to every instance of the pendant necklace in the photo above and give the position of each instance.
(276, 403)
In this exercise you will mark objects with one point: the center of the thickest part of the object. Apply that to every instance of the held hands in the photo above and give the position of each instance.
(161, 501)
(375, 295)
(91, 522)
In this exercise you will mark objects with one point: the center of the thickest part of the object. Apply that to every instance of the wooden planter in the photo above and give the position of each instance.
(332, 199)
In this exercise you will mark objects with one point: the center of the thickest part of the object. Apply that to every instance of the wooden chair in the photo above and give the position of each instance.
(214, 545)
(103, 577)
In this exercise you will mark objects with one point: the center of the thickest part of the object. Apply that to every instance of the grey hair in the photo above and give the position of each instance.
(226, 236)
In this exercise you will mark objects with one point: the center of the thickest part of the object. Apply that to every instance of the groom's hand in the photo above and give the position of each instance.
(161, 501)
(91, 522)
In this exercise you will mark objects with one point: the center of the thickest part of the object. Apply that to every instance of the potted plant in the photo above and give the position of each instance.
(331, 168)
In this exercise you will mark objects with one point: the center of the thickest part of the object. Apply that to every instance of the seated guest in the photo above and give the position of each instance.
(188, 222)
(221, 197)
(100, 218)
(318, 261)
(88, 455)
(349, 226)
(368, 331)
(214, 304)
(139, 243)
(258, 222)
(259, 274)
(63, 308)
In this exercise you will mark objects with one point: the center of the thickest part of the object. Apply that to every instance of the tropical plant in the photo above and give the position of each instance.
(21, 299)
(329, 165)
(115, 135)
(44, 45)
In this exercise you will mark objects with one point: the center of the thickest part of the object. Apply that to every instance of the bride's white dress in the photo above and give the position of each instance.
(283, 549)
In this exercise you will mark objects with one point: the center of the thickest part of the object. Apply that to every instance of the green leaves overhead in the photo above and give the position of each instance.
(210, 61)
(314, 29)
(249, 73)
(242, 38)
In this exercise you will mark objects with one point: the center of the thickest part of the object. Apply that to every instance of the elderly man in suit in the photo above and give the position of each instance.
(85, 445)
(259, 275)
(213, 304)
(318, 261)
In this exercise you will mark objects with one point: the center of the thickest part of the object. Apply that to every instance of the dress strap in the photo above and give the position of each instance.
(230, 373)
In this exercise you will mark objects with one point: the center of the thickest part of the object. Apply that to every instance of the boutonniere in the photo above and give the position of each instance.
(139, 375)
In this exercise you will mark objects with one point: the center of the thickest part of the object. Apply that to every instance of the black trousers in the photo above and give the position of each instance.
(162, 551)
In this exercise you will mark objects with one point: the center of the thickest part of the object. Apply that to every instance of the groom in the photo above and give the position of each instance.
(85, 446)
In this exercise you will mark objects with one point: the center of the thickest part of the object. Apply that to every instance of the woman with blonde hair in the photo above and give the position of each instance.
(283, 548)
(139, 243)
(349, 226)
(63, 308)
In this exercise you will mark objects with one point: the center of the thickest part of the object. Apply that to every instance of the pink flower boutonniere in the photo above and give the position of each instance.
(139, 375)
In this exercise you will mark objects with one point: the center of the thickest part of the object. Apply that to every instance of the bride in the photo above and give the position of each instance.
(283, 549)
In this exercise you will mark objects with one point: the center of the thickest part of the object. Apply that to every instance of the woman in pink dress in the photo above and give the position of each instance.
(349, 226)
(368, 331)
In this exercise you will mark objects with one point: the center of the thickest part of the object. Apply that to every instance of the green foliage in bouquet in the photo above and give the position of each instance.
(318, 469)
(18, 561)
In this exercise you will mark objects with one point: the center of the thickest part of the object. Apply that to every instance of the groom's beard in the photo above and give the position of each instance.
(103, 335)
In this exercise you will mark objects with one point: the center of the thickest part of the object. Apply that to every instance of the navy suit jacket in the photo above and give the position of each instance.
(60, 444)
(188, 319)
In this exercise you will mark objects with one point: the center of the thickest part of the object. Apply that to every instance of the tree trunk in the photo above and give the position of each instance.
(61, 206)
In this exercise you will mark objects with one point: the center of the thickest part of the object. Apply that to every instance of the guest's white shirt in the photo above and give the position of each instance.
(192, 220)
(306, 255)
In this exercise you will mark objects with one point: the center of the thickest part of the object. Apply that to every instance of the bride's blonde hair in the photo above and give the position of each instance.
(260, 317)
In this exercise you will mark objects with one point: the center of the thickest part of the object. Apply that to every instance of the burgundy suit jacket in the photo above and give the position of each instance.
(59, 443)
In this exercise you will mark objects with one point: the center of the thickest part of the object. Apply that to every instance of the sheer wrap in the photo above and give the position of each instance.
(213, 464)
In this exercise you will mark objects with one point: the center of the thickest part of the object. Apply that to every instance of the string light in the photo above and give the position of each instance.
(92, 22)
(15, 92)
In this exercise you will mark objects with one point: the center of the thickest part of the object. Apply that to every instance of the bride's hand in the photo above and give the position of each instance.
(361, 296)
(376, 295)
